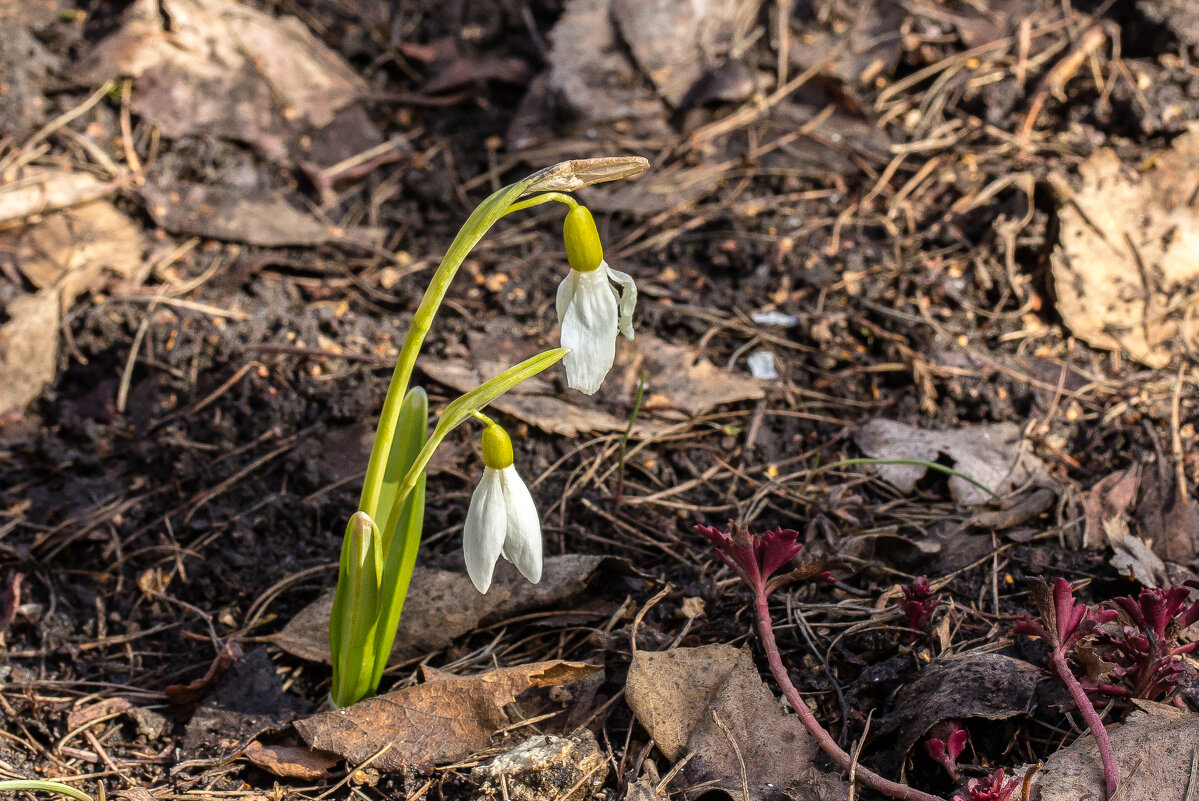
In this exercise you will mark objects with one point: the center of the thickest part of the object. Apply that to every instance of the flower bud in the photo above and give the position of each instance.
(583, 248)
(497, 447)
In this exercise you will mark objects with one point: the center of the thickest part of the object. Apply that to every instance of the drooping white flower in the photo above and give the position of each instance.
(595, 303)
(502, 519)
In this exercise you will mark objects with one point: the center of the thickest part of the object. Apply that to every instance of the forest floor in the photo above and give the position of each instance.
(952, 232)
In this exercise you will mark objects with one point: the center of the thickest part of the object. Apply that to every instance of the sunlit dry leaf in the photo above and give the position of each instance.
(291, 761)
(224, 69)
(433, 723)
(28, 348)
(1153, 750)
(70, 250)
(711, 703)
(37, 190)
(1128, 259)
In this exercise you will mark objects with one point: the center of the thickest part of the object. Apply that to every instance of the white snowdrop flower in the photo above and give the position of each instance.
(502, 519)
(595, 303)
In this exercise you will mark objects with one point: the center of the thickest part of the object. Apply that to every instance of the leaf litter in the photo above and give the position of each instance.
(437, 722)
(710, 705)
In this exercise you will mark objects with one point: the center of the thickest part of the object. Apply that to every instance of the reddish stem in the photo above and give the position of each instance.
(1111, 774)
(822, 737)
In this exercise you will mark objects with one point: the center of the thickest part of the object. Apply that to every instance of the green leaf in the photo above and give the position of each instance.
(355, 616)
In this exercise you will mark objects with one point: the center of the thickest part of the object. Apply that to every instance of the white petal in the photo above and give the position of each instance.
(628, 298)
(486, 525)
(589, 329)
(566, 293)
(522, 545)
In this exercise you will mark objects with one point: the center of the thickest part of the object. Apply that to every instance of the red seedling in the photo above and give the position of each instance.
(918, 604)
(993, 788)
(945, 744)
(1063, 623)
(1143, 645)
(756, 558)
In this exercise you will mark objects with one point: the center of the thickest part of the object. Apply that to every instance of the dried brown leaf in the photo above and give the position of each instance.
(996, 456)
(37, 190)
(958, 687)
(224, 69)
(432, 723)
(28, 348)
(255, 217)
(70, 250)
(1128, 258)
(711, 703)
(701, 31)
(291, 761)
(1154, 751)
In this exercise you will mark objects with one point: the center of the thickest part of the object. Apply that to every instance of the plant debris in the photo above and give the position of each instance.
(437, 722)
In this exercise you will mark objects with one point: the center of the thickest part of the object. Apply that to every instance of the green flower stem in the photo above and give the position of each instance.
(466, 405)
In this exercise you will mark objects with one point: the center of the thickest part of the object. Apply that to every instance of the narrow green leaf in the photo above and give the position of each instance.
(33, 785)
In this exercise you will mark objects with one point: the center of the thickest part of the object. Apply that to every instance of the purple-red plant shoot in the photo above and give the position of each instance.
(945, 744)
(993, 788)
(918, 604)
(757, 557)
(1144, 648)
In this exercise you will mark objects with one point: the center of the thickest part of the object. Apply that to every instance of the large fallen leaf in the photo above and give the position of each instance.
(1127, 264)
(28, 348)
(996, 456)
(70, 250)
(711, 703)
(443, 605)
(700, 31)
(959, 687)
(433, 723)
(224, 69)
(590, 73)
(1155, 752)
(291, 761)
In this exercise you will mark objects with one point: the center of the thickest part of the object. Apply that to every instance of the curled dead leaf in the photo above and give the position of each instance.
(432, 723)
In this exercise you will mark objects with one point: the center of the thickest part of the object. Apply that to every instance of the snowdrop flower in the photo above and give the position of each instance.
(502, 520)
(594, 303)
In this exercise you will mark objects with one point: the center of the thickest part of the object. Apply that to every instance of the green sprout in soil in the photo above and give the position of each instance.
(378, 554)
